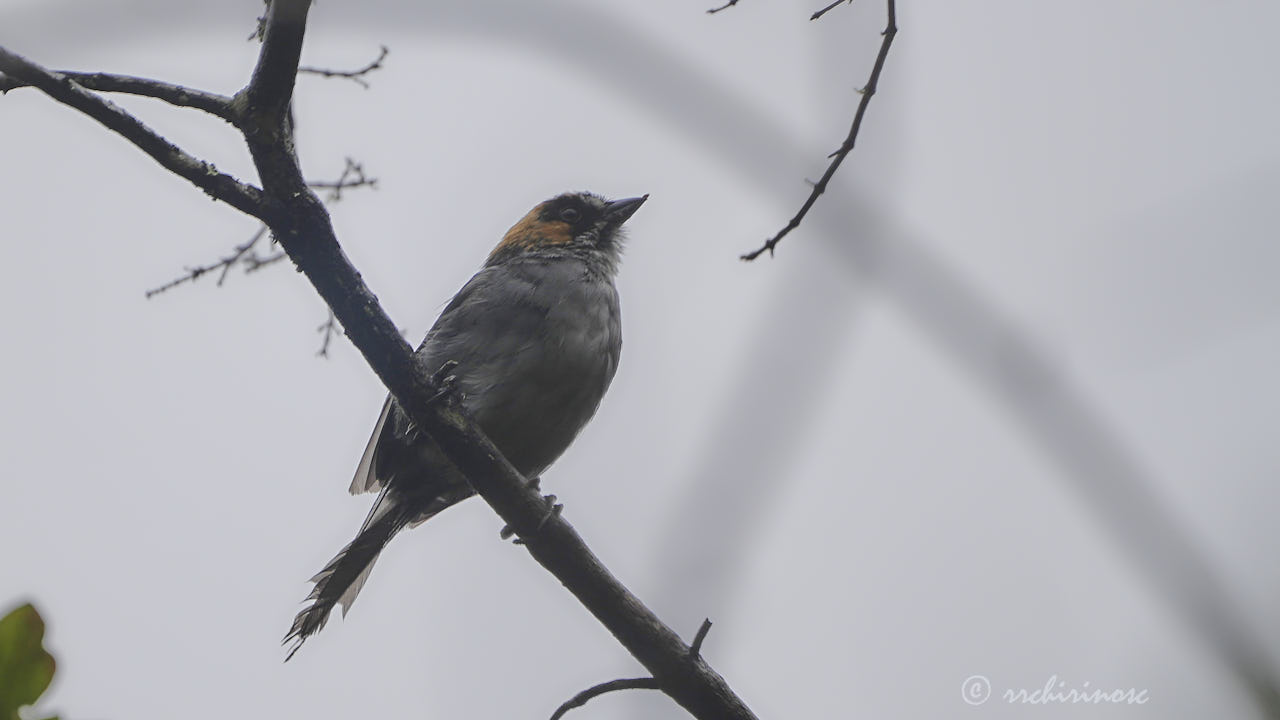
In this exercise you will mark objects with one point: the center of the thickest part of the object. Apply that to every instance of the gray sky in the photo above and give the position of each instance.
(816, 451)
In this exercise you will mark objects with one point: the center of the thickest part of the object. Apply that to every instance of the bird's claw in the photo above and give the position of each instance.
(445, 382)
(553, 511)
(533, 483)
(443, 371)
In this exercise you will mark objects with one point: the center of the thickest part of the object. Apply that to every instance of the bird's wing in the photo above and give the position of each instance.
(485, 327)
(389, 427)
(366, 480)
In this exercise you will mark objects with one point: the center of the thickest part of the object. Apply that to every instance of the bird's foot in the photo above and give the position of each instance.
(553, 510)
(446, 383)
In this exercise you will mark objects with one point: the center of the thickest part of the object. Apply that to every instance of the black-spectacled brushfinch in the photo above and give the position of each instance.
(535, 336)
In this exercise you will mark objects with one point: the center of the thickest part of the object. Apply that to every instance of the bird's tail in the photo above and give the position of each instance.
(340, 581)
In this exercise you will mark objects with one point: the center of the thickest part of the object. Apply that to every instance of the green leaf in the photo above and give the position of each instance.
(26, 668)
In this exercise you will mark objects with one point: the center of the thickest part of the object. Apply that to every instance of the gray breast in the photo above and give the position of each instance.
(537, 345)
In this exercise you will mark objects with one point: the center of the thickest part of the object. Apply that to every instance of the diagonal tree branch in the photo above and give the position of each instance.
(828, 9)
(837, 157)
(212, 103)
(202, 174)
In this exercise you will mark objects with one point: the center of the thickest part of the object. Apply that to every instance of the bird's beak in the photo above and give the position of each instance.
(618, 211)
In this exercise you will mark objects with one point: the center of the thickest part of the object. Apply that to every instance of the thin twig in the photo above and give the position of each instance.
(577, 701)
(246, 254)
(725, 6)
(352, 75)
(195, 273)
(644, 683)
(253, 263)
(828, 9)
(328, 328)
(352, 177)
(695, 649)
(837, 157)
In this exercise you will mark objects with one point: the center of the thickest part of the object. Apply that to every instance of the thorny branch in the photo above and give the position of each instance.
(356, 76)
(641, 683)
(301, 225)
(837, 157)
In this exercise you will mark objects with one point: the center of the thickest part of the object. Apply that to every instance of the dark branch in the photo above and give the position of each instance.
(828, 9)
(352, 75)
(204, 175)
(269, 94)
(837, 157)
(212, 103)
(577, 701)
(725, 6)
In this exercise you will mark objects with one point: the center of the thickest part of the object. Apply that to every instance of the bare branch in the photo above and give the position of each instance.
(645, 683)
(828, 9)
(253, 263)
(725, 6)
(695, 649)
(238, 254)
(246, 255)
(327, 329)
(352, 177)
(352, 75)
(837, 157)
(577, 701)
(204, 175)
(212, 103)
(270, 89)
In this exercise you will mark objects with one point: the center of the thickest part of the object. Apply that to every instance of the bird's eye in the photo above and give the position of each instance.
(570, 215)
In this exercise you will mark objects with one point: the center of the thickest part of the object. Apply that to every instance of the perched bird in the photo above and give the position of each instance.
(532, 343)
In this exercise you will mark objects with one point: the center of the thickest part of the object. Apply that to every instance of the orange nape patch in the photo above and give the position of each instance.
(532, 231)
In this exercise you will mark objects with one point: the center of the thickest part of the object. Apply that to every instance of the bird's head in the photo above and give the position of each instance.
(581, 223)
